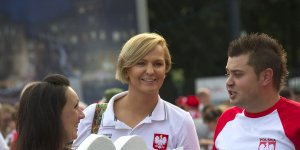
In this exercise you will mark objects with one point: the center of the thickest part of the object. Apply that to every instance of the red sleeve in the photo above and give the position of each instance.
(289, 112)
(227, 116)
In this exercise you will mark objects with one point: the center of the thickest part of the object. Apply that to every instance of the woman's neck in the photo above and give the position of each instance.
(134, 107)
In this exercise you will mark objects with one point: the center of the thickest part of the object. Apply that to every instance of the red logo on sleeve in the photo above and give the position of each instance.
(160, 141)
(267, 144)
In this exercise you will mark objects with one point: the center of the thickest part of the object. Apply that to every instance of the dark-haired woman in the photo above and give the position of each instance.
(48, 115)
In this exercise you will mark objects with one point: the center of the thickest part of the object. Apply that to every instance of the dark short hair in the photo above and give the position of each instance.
(39, 123)
(211, 113)
(264, 52)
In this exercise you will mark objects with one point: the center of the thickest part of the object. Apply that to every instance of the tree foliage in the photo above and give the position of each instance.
(198, 33)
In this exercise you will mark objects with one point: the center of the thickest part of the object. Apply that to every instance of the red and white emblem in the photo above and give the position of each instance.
(160, 141)
(267, 144)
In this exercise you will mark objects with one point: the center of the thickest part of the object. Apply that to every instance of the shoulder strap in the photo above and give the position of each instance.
(99, 110)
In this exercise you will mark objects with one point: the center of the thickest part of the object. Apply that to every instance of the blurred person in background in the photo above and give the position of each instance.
(109, 93)
(12, 135)
(8, 122)
(223, 106)
(48, 115)
(211, 115)
(143, 64)
(204, 96)
(297, 95)
(3, 145)
(191, 104)
(261, 118)
(180, 101)
(287, 93)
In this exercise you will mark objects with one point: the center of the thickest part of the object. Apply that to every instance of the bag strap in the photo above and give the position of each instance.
(99, 110)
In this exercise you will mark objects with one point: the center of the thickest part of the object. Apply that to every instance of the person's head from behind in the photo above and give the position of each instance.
(145, 59)
(211, 115)
(255, 62)
(7, 113)
(48, 114)
(297, 95)
(287, 93)
(204, 95)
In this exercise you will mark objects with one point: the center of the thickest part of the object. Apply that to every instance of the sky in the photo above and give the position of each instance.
(34, 12)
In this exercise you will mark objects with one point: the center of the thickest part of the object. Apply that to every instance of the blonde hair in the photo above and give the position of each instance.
(137, 48)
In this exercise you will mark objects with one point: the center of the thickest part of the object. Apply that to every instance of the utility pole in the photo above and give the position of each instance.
(234, 18)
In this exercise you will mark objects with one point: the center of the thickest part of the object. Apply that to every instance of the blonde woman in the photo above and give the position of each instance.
(143, 64)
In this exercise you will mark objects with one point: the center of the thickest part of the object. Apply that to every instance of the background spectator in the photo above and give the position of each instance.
(287, 93)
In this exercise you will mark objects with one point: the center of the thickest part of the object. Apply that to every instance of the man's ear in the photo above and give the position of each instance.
(267, 76)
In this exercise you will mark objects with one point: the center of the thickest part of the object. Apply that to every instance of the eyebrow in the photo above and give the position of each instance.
(234, 70)
(154, 60)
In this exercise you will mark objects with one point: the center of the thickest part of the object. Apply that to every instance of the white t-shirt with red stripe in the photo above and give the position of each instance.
(277, 128)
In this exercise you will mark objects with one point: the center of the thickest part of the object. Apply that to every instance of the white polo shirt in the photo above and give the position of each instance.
(167, 127)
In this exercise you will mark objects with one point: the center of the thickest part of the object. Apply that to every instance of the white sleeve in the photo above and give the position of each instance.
(188, 138)
(3, 145)
(85, 125)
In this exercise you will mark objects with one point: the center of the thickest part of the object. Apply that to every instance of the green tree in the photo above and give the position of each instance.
(198, 33)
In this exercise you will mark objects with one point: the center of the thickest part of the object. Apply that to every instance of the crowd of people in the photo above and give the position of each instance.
(261, 113)
(205, 114)
(8, 117)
